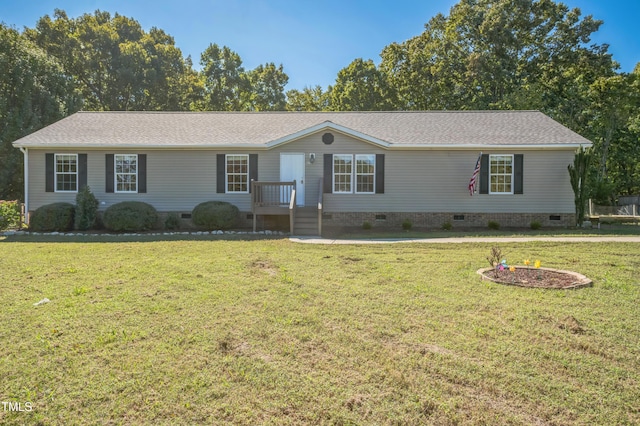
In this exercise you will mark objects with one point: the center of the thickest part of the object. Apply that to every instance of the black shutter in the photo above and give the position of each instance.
(518, 160)
(328, 174)
(220, 173)
(484, 174)
(379, 173)
(82, 171)
(253, 168)
(109, 173)
(49, 172)
(142, 173)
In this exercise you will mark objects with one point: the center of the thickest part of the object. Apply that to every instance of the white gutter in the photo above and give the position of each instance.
(25, 152)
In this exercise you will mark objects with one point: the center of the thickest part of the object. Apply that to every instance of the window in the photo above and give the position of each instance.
(365, 173)
(500, 174)
(66, 172)
(126, 172)
(353, 174)
(237, 176)
(342, 172)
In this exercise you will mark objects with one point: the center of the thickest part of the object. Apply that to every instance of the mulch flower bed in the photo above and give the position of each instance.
(536, 277)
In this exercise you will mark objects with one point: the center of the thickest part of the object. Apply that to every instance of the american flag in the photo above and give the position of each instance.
(474, 178)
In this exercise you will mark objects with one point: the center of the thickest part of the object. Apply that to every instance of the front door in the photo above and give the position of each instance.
(292, 168)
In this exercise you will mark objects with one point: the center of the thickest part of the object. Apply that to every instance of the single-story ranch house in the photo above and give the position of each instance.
(348, 167)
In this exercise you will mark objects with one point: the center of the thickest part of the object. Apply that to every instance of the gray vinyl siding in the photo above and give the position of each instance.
(436, 181)
(415, 180)
(177, 180)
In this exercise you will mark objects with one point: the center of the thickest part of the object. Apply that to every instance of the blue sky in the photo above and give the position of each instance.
(313, 39)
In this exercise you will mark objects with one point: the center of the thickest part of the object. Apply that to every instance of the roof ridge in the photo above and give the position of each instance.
(486, 111)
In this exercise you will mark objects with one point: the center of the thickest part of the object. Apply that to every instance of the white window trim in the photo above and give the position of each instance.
(55, 174)
(333, 174)
(226, 174)
(115, 173)
(512, 174)
(355, 174)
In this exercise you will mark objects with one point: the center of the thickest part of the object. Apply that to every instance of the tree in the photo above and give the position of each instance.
(361, 87)
(34, 92)
(578, 177)
(309, 99)
(612, 115)
(116, 65)
(267, 88)
(225, 81)
(489, 54)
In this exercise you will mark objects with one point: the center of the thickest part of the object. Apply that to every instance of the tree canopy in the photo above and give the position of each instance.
(34, 92)
(486, 54)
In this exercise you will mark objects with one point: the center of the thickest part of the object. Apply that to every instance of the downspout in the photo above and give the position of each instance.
(25, 152)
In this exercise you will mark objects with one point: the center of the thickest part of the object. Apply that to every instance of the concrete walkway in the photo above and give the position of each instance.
(454, 240)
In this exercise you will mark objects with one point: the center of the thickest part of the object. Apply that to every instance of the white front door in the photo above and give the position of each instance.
(292, 168)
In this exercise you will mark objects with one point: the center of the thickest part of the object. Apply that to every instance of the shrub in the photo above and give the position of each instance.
(407, 225)
(172, 221)
(535, 225)
(86, 209)
(56, 217)
(214, 215)
(132, 216)
(447, 226)
(366, 225)
(9, 214)
(493, 225)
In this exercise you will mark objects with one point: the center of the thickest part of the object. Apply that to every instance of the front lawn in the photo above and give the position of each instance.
(271, 332)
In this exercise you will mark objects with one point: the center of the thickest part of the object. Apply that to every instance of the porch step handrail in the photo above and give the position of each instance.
(320, 200)
(292, 210)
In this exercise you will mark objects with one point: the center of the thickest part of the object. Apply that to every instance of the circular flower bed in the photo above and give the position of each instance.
(524, 276)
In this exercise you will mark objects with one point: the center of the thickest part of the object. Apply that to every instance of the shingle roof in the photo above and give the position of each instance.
(254, 129)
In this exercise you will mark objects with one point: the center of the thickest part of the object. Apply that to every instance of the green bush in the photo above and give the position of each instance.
(172, 221)
(215, 215)
(86, 209)
(493, 225)
(56, 217)
(447, 226)
(366, 225)
(407, 225)
(133, 216)
(535, 225)
(9, 214)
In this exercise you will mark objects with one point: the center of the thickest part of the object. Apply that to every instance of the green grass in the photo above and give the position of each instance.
(608, 229)
(271, 332)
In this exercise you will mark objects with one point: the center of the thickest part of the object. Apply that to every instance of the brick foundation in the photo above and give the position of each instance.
(394, 220)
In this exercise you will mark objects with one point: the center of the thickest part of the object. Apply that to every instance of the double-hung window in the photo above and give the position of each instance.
(126, 172)
(237, 173)
(365, 173)
(66, 176)
(345, 173)
(342, 173)
(501, 174)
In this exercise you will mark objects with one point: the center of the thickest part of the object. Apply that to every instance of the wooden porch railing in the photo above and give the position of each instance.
(277, 198)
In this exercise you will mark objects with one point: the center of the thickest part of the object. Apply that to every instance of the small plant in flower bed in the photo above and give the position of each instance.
(528, 276)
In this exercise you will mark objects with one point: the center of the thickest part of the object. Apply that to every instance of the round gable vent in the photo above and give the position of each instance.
(327, 138)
